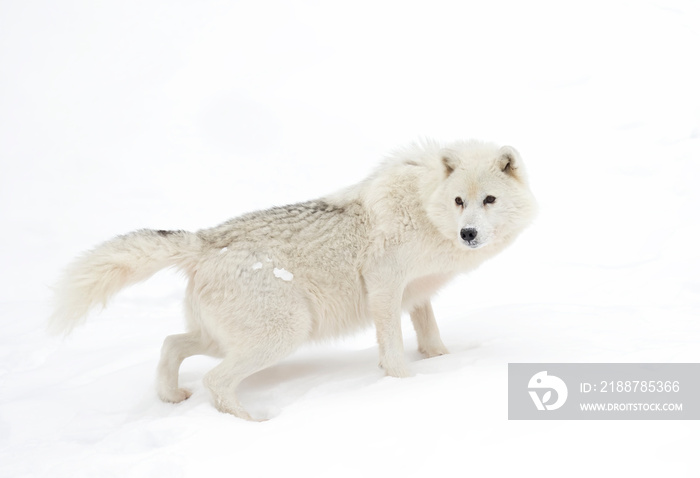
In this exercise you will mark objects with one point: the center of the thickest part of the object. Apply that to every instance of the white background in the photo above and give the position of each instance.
(116, 116)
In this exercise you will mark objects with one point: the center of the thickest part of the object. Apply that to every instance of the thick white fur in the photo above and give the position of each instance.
(264, 283)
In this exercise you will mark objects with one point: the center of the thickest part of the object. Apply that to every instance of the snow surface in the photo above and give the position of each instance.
(116, 116)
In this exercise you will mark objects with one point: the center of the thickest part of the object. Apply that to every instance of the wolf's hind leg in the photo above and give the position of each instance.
(177, 348)
(223, 380)
(244, 361)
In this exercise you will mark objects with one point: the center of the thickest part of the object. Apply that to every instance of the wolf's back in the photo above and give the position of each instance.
(97, 275)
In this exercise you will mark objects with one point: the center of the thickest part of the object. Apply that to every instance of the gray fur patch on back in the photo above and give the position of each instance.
(164, 233)
(280, 222)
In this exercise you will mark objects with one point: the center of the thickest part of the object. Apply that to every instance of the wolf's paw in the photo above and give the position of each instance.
(433, 350)
(232, 407)
(175, 395)
(396, 370)
(398, 373)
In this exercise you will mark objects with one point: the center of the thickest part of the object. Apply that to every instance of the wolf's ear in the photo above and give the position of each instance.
(509, 161)
(449, 163)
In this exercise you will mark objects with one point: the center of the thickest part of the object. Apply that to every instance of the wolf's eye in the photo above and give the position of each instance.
(489, 200)
(458, 201)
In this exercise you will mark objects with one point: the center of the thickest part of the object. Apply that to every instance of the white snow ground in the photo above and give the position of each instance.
(121, 115)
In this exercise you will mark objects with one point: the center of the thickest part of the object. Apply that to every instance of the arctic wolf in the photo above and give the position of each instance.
(262, 284)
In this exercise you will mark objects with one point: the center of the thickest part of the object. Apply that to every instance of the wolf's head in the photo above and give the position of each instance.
(479, 194)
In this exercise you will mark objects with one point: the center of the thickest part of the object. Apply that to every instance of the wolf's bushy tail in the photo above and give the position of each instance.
(97, 275)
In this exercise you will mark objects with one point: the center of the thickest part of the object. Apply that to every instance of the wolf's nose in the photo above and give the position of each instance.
(468, 234)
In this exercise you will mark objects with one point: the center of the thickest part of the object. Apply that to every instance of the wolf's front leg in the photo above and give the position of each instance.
(429, 341)
(386, 313)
